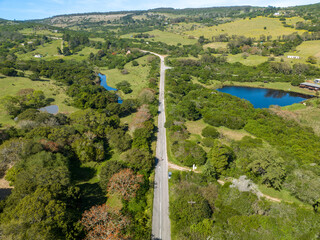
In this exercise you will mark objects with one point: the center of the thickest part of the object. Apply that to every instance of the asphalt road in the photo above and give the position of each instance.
(160, 217)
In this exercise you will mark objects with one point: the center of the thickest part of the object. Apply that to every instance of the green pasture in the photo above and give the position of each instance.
(137, 77)
(251, 60)
(166, 37)
(31, 31)
(216, 45)
(304, 50)
(49, 52)
(12, 85)
(246, 27)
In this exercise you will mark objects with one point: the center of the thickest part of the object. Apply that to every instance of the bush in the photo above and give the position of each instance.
(210, 132)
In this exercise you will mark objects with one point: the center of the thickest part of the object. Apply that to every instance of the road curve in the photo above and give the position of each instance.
(160, 217)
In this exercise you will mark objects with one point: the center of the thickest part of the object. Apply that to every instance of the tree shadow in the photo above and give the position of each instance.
(5, 192)
(91, 195)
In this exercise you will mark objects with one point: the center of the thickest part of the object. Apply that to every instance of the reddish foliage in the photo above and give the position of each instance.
(49, 145)
(140, 117)
(104, 223)
(125, 183)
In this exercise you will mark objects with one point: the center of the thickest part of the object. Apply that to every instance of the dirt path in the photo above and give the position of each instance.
(221, 182)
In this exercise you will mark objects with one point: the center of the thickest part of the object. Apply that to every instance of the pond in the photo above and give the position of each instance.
(264, 98)
(53, 109)
(103, 83)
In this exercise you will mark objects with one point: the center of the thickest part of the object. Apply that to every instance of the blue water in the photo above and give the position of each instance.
(53, 109)
(103, 83)
(263, 98)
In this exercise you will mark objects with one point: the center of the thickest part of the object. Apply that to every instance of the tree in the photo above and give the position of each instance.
(312, 60)
(267, 164)
(210, 132)
(124, 86)
(220, 156)
(125, 183)
(139, 159)
(103, 222)
(107, 171)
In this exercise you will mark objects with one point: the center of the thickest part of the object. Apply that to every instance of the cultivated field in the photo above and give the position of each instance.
(246, 27)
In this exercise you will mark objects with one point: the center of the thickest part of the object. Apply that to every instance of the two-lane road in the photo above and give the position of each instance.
(160, 217)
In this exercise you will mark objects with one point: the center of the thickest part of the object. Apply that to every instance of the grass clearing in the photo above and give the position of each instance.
(304, 50)
(284, 195)
(227, 134)
(49, 52)
(31, 31)
(114, 201)
(137, 77)
(166, 37)
(12, 85)
(246, 27)
(216, 45)
(251, 60)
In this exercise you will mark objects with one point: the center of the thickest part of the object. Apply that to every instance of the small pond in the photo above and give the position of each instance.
(103, 83)
(264, 98)
(53, 109)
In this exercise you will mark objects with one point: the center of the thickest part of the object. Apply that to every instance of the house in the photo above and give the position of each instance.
(295, 57)
(276, 14)
(310, 86)
(317, 80)
(38, 56)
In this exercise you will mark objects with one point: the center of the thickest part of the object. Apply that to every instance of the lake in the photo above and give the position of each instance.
(103, 83)
(263, 97)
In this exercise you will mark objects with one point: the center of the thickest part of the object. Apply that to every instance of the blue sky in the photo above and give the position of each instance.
(35, 9)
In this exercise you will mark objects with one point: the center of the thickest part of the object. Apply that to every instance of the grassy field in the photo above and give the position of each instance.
(31, 31)
(216, 45)
(12, 85)
(249, 28)
(304, 50)
(251, 60)
(137, 77)
(49, 52)
(166, 37)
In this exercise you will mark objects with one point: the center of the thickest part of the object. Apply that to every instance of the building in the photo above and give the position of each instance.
(38, 56)
(310, 86)
(317, 80)
(294, 57)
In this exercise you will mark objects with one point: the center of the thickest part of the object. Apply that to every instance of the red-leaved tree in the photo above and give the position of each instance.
(105, 223)
(125, 183)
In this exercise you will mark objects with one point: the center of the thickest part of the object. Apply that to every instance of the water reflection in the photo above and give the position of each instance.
(263, 98)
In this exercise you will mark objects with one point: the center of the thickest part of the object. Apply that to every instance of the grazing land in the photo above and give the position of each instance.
(246, 27)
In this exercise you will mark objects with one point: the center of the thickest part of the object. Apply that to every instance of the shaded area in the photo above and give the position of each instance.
(4, 192)
(91, 195)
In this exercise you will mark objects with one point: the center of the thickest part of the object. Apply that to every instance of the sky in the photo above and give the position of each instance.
(37, 9)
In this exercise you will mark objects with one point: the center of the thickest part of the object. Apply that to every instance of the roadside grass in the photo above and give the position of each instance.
(12, 85)
(166, 37)
(137, 77)
(246, 27)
